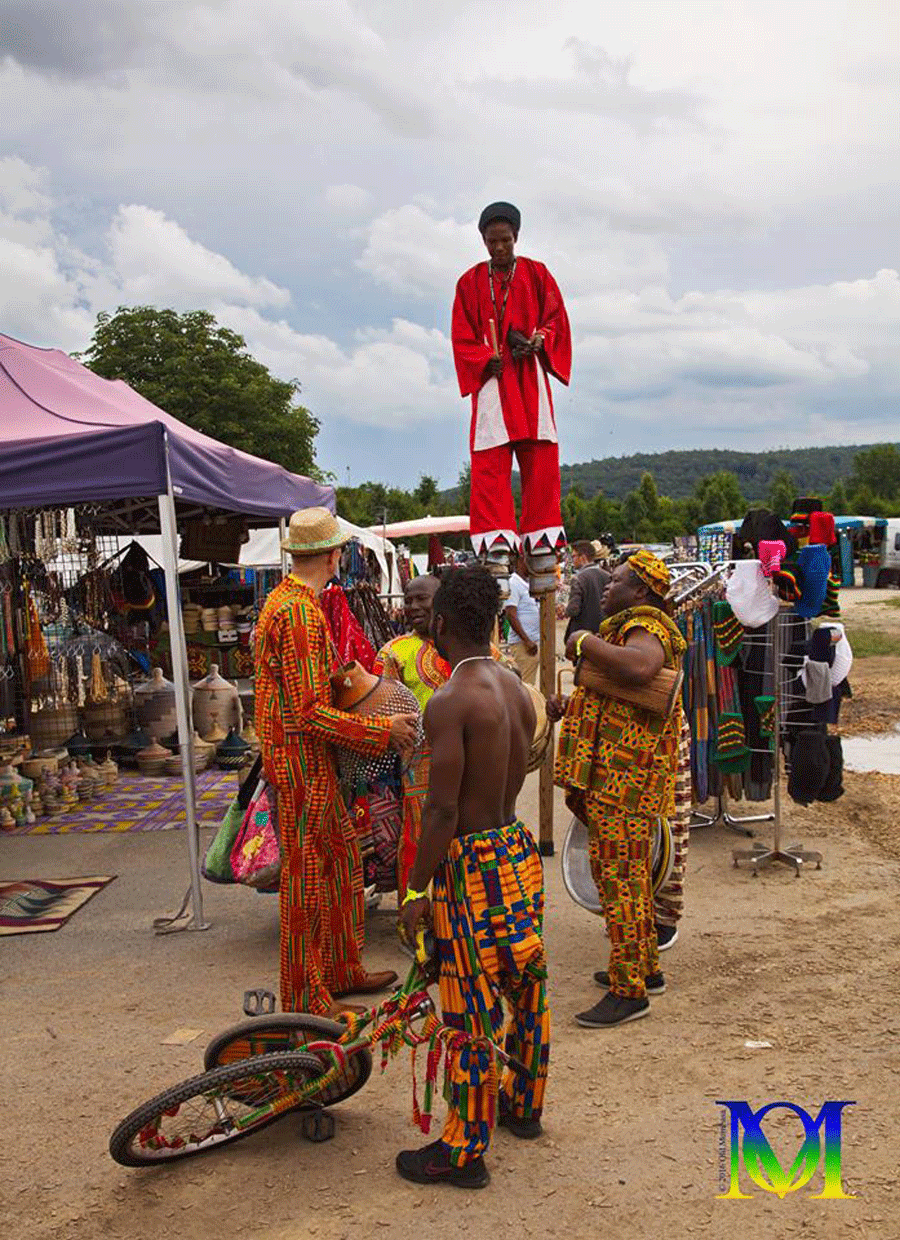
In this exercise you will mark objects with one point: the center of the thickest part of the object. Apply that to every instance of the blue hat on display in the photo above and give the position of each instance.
(813, 569)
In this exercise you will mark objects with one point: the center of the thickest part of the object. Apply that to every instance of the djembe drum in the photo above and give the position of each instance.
(543, 730)
(359, 692)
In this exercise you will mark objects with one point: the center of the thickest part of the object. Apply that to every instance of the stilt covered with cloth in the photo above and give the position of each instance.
(487, 907)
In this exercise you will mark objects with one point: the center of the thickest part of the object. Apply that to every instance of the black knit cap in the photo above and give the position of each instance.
(500, 211)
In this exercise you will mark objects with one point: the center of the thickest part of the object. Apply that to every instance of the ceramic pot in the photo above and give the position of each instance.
(215, 695)
(51, 727)
(154, 703)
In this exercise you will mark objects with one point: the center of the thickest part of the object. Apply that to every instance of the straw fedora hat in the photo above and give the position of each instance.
(313, 531)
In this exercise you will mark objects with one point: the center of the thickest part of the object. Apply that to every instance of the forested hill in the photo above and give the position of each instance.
(814, 470)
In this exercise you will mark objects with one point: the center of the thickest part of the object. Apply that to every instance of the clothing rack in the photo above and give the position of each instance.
(692, 578)
(759, 854)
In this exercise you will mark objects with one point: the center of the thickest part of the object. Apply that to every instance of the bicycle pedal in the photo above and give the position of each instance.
(259, 1002)
(318, 1126)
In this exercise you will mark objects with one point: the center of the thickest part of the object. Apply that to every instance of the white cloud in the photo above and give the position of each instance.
(156, 261)
(347, 200)
(635, 347)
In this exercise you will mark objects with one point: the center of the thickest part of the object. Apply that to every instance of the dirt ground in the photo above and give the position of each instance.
(632, 1122)
(875, 704)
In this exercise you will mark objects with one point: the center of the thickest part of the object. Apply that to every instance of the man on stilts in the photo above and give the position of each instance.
(510, 332)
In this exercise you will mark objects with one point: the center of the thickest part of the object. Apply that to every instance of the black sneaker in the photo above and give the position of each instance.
(432, 1165)
(655, 982)
(613, 1010)
(526, 1129)
(666, 936)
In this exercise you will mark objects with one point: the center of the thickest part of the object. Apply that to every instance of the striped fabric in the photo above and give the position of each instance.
(619, 846)
(668, 902)
(615, 751)
(488, 906)
(321, 894)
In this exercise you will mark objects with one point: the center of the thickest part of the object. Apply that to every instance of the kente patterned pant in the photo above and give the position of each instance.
(320, 902)
(620, 852)
(668, 903)
(488, 903)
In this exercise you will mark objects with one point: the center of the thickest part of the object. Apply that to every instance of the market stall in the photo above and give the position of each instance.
(85, 462)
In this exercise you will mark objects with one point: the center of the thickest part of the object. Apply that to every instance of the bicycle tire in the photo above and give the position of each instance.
(283, 1033)
(219, 1084)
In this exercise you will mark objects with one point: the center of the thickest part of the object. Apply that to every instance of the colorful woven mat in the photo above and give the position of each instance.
(141, 803)
(37, 905)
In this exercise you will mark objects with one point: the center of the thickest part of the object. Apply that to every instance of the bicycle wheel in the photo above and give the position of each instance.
(211, 1110)
(291, 1031)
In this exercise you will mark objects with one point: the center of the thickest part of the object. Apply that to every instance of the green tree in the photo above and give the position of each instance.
(720, 497)
(837, 501)
(465, 487)
(633, 513)
(426, 494)
(649, 495)
(782, 494)
(203, 375)
(577, 516)
(878, 468)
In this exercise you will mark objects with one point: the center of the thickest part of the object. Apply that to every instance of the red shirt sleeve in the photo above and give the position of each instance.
(470, 353)
(553, 324)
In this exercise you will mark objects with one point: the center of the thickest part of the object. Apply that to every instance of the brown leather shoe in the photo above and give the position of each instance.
(334, 1012)
(369, 984)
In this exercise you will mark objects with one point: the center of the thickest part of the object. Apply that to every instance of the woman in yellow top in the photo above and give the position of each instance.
(413, 660)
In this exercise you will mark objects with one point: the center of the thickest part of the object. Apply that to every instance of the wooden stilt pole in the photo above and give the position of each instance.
(548, 688)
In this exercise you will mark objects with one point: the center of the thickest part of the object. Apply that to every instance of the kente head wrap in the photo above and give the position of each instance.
(651, 570)
(500, 211)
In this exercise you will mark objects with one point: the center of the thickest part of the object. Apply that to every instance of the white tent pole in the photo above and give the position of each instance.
(169, 530)
(282, 535)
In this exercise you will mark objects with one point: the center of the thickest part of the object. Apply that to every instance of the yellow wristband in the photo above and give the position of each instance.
(579, 644)
(413, 895)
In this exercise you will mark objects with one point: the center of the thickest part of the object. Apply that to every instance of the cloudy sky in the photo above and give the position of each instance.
(714, 185)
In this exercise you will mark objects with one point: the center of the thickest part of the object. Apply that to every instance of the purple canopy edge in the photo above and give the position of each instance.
(67, 437)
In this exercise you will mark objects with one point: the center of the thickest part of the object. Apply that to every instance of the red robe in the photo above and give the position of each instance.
(518, 406)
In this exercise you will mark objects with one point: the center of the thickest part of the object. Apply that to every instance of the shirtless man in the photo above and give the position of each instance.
(487, 902)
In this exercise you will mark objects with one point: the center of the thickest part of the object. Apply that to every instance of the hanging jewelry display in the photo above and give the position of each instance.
(98, 690)
(79, 677)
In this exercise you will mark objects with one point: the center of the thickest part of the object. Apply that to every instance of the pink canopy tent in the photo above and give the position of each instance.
(68, 437)
(423, 525)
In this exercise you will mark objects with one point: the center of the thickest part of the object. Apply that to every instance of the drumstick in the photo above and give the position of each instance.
(492, 331)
